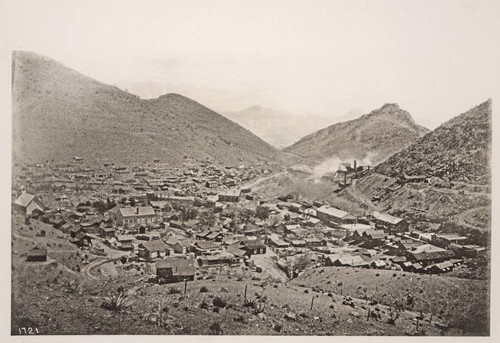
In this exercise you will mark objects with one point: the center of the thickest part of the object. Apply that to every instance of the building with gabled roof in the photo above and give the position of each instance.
(427, 254)
(389, 223)
(26, 203)
(206, 247)
(175, 269)
(445, 240)
(136, 215)
(347, 260)
(151, 250)
(335, 215)
(183, 246)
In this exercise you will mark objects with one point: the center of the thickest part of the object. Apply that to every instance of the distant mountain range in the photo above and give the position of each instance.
(458, 150)
(373, 137)
(278, 128)
(59, 113)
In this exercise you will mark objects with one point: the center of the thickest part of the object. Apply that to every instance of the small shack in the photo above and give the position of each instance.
(37, 255)
(175, 270)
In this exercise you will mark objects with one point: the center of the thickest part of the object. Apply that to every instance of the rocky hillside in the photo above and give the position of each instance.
(59, 113)
(372, 137)
(458, 150)
(278, 128)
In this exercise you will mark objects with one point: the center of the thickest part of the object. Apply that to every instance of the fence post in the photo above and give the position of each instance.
(312, 302)
(368, 316)
(185, 286)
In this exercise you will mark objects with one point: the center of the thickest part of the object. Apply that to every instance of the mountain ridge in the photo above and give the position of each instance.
(53, 103)
(457, 150)
(374, 136)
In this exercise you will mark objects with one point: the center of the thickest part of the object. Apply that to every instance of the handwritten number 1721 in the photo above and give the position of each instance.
(28, 331)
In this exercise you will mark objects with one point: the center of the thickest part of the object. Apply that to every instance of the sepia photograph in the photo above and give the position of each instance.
(249, 168)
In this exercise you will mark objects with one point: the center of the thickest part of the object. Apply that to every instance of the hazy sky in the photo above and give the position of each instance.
(436, 59)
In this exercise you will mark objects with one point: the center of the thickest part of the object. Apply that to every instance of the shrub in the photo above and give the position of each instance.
(116, 302)
(278, 327)
(203, 289)
(216, 328)
(204, 305)
(240, 319)
(219, 302)
(174, 290)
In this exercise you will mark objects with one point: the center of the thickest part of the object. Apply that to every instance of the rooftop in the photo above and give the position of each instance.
(179, 266)
(24, 200)
(387, 218)
(155, 245)
(334, 212)
(137, 211)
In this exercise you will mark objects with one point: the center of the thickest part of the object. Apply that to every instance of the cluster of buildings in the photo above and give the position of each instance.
(67, 185)
(196, 217)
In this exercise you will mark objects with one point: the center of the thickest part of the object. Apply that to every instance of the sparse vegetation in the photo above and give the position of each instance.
(174, 290)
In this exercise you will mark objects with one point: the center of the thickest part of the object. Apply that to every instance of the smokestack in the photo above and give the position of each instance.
(355, 165)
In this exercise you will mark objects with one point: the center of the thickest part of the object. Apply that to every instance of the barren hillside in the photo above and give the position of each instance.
(458, 150)
(59, 113)
(374, 136)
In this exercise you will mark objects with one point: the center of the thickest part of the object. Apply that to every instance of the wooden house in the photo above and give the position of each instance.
(174, 269)
(151, 250)
(37, 255)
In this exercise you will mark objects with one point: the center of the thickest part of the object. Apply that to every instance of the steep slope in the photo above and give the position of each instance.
(374, 137)
(458, 150)
(59, 113)
(278, 128)
(455, 158)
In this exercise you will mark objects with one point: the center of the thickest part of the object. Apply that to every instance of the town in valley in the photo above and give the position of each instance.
(250, 168)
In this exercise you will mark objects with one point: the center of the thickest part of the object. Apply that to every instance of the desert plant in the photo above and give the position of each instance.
(240, 319)
(116, 302)
(203, 289)
(216, 328)
(219, 302)
(393, 315)
(174, 290)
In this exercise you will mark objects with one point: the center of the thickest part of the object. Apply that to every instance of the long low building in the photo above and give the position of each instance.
(345, 260)
(332, 214)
